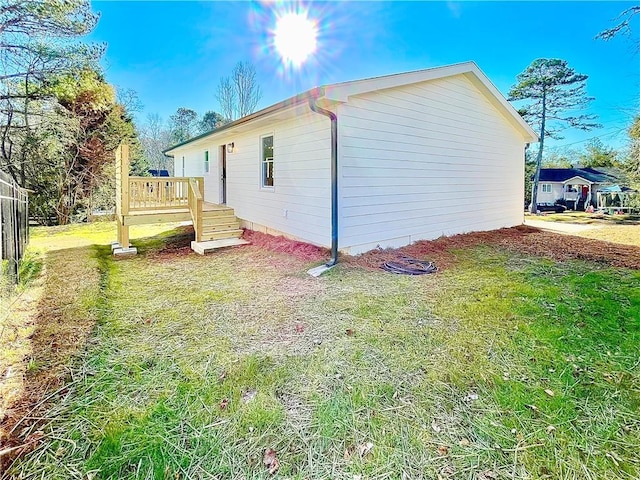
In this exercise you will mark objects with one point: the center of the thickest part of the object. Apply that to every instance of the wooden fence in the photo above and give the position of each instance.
(14, 223)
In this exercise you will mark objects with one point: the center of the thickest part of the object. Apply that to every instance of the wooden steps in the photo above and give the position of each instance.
(145, 200)
(219, 222)
(209, 246)
(219, 235)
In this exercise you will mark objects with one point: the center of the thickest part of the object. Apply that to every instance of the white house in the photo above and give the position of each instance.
(414, 156)
(577, 187)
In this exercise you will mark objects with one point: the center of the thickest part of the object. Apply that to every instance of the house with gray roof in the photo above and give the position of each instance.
(577, 188)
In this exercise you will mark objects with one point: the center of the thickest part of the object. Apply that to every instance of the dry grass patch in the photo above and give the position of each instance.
(587, 218)
(623, 229)
(83, 235)
(56, 331)
(44, 324)
(624, 234)
(17, 325)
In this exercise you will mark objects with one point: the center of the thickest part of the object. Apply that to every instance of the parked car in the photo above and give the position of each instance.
(550, 207)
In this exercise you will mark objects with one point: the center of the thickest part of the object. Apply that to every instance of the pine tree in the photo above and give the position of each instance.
(556, 92)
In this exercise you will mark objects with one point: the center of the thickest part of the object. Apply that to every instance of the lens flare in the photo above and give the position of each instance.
(306, 54)
(295, 38)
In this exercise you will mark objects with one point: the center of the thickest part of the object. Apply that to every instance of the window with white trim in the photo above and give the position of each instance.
(206, 161)
(546, 188)
(266, 161)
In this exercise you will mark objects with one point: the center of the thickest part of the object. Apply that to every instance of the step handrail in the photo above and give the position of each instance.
(195, 207)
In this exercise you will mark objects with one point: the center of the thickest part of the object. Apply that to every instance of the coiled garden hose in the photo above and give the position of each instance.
(410, 266)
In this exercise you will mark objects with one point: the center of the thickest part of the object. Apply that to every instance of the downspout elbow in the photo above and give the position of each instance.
(334, 173)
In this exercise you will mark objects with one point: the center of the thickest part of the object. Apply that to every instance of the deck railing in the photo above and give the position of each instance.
(153, 197)
(159, 193)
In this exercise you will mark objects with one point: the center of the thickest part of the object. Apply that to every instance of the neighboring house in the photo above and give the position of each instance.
(415, 156)
(577, 187)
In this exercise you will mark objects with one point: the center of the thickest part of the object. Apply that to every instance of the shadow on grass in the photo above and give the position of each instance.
(175, 241)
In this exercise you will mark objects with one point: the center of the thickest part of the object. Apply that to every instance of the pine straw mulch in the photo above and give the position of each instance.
(300, 250)
(179, 245)
(521, 239)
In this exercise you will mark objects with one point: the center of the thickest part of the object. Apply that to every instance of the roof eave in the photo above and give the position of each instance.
(578, 177)
(289, 102)
(341, 92)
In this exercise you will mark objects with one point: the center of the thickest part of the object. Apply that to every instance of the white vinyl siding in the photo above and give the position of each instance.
(415, 162)
(550, 192)
(299, 203)
(194, 166)
(425, 160)
(188, 163)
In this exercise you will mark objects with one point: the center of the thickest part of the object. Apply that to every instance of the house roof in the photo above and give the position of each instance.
(587, 173)
(616, 189)
(618, 175)
(340, 92)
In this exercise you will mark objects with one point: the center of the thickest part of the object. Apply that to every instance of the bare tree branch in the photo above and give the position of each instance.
(226, 96)
(247, 89)
(239, 94)
(623, 26)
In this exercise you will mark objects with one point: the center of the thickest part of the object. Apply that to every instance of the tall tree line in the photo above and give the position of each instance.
(157, 134)
(60, 121)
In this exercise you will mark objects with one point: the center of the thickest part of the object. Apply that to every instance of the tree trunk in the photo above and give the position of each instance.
(536, 178)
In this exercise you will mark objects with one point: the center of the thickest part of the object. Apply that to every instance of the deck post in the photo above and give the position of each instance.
(123, 233)
(124, 175)
(122, 247)
(201, 186)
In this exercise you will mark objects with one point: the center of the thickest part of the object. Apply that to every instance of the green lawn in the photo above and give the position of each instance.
(501, 366)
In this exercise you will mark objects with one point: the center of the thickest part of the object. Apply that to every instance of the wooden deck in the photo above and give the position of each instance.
(145, 200)
(141, 217)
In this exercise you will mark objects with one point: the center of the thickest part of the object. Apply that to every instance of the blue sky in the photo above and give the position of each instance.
(174, 53)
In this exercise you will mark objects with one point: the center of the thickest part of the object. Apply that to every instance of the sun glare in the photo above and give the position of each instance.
(295, 38)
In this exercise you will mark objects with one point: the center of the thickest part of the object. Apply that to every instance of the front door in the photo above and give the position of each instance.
(585, 192)
(223, 174)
